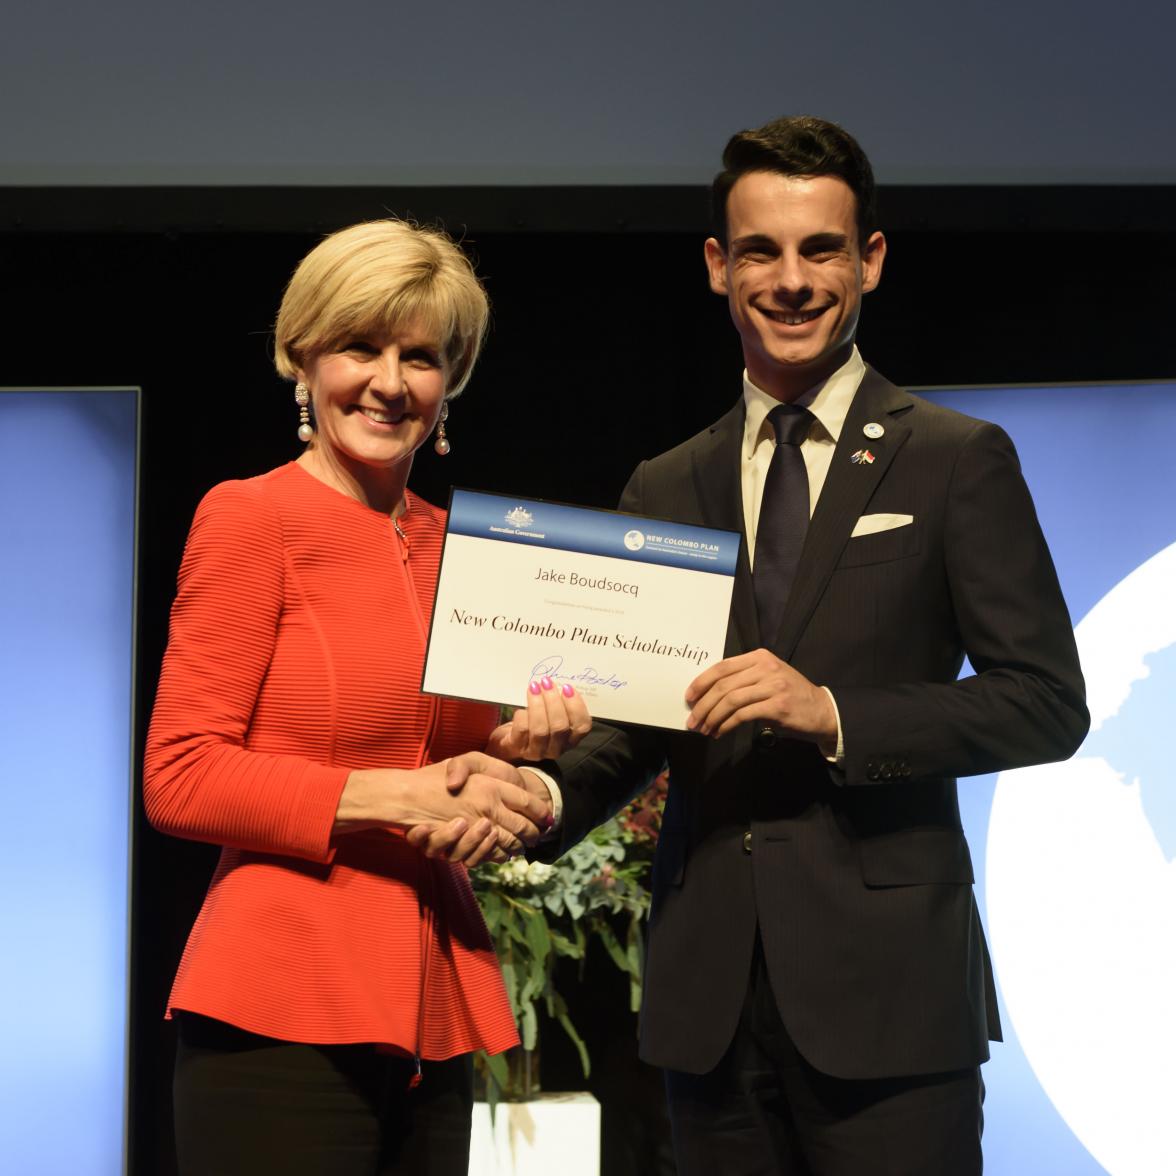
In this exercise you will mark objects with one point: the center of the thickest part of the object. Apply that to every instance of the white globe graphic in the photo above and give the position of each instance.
(1081, 869)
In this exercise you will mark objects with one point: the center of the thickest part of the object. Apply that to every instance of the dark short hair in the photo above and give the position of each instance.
(798, 145)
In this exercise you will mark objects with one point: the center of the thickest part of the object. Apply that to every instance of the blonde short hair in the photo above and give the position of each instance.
(378, 277)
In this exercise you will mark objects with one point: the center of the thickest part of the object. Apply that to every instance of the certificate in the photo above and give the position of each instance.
(628, 610)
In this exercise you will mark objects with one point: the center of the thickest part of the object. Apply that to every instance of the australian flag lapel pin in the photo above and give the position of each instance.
(862, 457)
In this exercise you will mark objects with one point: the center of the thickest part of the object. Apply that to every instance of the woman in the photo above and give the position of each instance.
(336, 978)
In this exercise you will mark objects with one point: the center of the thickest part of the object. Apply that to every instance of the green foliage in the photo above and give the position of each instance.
(539, 913)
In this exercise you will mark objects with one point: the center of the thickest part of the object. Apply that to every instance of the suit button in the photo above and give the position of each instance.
(747, 842)
(886, 771)
(765, 738)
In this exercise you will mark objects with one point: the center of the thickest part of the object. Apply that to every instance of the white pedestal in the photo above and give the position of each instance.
(553, 1133)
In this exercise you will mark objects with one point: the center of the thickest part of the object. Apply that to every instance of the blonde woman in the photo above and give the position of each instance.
(337, 979)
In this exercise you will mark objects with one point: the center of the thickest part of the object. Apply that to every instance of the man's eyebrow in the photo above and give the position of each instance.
(753, 241)
(821, 242)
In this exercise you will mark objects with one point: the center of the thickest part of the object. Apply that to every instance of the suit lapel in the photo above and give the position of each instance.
(719, 491)
(847, 490)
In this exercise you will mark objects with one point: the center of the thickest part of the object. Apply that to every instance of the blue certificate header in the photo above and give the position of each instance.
(592, 532)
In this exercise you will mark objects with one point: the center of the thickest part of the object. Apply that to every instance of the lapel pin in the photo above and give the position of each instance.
(862, 457)
(873, 430)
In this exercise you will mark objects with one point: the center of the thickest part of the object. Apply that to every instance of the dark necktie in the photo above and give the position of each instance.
(783, 518)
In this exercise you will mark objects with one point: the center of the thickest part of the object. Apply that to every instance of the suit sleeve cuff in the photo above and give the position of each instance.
(835, 755)
(556, 800)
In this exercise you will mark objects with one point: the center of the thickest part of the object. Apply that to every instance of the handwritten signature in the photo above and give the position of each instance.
(553, 667)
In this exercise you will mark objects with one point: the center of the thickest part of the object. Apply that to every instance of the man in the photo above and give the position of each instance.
(817, 985)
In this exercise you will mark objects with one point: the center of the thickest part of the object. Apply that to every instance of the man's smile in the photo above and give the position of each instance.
(792, 318)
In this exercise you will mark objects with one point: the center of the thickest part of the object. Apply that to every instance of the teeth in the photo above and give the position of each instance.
(792, 320)
(382, 418)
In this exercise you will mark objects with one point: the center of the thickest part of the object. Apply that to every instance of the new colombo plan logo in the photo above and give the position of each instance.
(634, 540)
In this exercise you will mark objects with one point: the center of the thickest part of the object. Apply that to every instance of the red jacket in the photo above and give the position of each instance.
(295, 653)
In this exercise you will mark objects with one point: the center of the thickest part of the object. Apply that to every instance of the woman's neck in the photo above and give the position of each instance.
(382, 489)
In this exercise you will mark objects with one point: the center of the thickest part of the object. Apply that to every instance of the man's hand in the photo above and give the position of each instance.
(554, 719)
(499, 811)
(758, 687)
(537, 787)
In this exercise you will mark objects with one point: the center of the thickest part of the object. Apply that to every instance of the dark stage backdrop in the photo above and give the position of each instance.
(606, 348)
(294, 92)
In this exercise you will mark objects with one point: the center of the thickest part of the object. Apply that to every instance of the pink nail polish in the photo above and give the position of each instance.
(546, 682)
(534, 688)
(567, 690)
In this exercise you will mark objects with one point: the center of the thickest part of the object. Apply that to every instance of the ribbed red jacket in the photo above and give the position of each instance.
(295, 652)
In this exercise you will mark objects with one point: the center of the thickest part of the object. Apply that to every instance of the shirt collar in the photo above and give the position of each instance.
(828, 401)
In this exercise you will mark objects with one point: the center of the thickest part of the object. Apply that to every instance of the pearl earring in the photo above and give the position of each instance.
(441, 445)
(302, 399)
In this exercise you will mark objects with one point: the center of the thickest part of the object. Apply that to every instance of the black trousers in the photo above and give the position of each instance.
(246, 1105)
(764, 1111)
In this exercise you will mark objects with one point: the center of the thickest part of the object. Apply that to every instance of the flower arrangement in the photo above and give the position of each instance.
(538, 913)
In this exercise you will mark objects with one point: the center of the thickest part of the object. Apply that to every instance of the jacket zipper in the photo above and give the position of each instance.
(428, 881)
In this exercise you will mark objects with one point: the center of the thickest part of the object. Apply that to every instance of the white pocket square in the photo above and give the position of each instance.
(872, 524)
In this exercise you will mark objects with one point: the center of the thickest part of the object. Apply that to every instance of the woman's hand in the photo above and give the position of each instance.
(554, 719)
(480, 803)
(459, 841)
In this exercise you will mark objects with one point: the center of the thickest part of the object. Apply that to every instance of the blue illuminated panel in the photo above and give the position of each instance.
(67, 547)
(1074, 862)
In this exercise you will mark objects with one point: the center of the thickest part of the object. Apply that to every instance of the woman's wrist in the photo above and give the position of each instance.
(380, 798)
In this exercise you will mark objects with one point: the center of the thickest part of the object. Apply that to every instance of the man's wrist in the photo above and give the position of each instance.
(555, 797)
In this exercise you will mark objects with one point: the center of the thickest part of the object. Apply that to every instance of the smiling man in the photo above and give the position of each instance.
(793, 259)
(817, 984)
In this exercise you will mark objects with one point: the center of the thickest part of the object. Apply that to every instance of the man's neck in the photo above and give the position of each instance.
(787, 384)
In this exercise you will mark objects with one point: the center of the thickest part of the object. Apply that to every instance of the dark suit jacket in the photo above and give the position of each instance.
(859, 877)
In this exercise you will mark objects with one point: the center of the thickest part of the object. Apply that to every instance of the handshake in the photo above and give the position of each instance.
(500, 810)
(503, 807)
(481, 806)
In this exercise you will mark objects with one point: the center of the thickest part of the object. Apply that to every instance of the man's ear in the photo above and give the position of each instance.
(716, 265)
(873, 255)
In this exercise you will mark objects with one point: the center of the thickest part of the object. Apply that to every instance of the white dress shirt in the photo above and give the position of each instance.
(829, 403)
